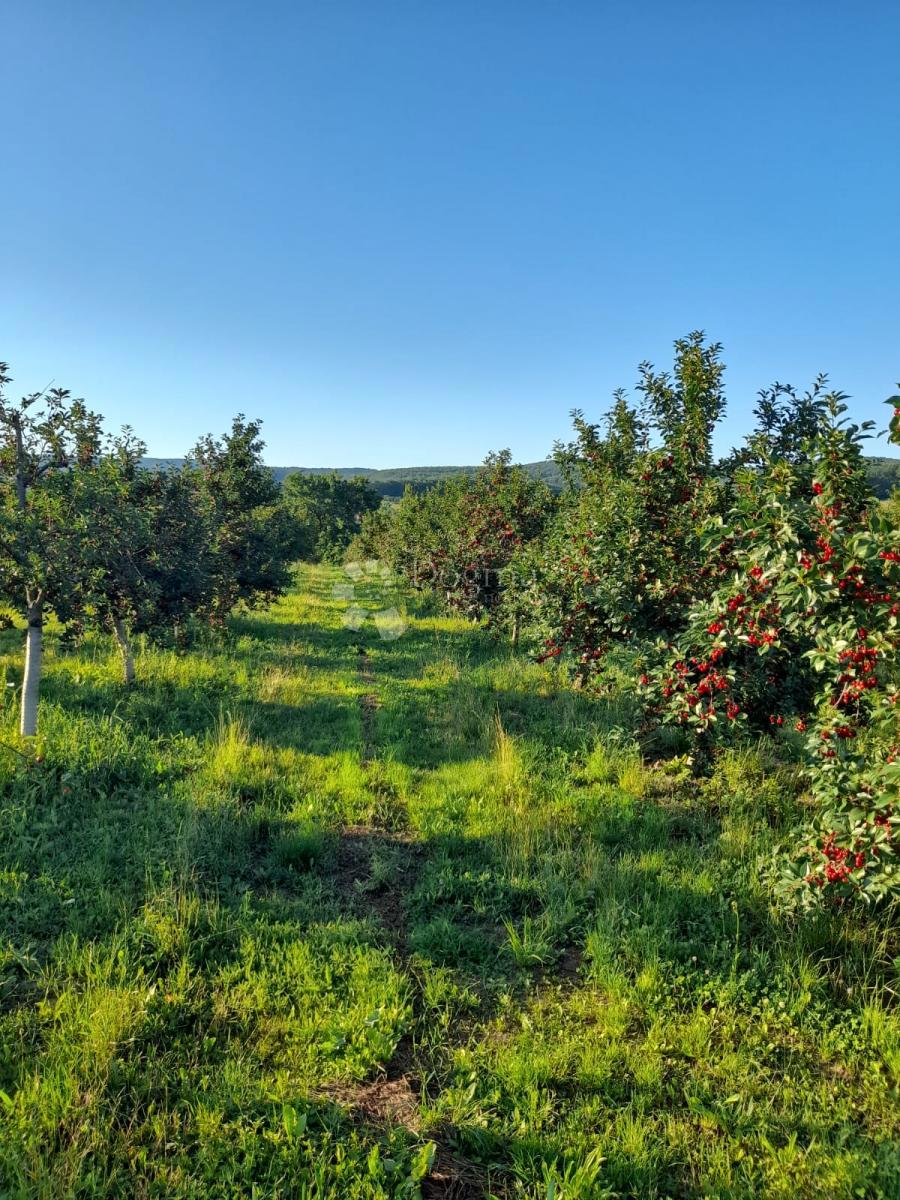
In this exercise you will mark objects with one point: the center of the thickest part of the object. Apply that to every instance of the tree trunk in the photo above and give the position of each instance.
(515, 632)
(124, 644)
(31, 683)
(21, 487)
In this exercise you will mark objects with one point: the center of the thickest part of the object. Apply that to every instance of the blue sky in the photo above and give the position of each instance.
(411, 231)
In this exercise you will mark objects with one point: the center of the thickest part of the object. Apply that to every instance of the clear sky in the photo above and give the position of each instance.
(411, 231)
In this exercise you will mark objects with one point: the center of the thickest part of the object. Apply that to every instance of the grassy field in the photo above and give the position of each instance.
(312, 914)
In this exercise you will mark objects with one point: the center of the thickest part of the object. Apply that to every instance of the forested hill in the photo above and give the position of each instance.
(884, 473)
(392, 480)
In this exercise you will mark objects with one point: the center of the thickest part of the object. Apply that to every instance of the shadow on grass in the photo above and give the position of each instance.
(127, 853)
(424, 727)
(182, 883)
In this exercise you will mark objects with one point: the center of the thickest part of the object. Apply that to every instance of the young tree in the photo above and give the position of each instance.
(252, 535)
(181, 562)
(144, 547)
(458, 537)
(499, 510)
(800, 634)
(42, 436)
(112, 533)
(624, 558)
(375, 537)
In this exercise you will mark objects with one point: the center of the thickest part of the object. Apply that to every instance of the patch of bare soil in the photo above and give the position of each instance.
(376, 870)
(568, 969)
(368, 706)
(383, 1102)
(453, 1178)
(371, 892)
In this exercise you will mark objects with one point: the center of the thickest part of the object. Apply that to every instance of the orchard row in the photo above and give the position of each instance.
(91, 538)
(753, 596)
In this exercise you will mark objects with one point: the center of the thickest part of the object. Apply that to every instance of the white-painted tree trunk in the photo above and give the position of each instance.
(31, 684)
(125, 650)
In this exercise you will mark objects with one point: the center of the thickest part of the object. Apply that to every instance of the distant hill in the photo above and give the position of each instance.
(392, 480)
(884, 474)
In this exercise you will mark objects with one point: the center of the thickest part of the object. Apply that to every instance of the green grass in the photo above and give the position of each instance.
(261, 938)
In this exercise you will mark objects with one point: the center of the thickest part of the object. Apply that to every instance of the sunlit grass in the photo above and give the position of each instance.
(223, 930)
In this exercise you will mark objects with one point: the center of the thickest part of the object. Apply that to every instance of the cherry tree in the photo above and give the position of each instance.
(253, 536)
(42, 437)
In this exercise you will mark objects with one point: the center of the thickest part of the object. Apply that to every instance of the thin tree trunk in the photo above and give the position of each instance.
(515, 632)
(124, 644)
(31, 684)
(21, 488)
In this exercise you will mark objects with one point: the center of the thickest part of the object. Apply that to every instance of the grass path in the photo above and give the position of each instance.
(313, 914)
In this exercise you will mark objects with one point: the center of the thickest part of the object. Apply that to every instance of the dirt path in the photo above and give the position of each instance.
(394, 1097)
(378, 870)
(368, 706)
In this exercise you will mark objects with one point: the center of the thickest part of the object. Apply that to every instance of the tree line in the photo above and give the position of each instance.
(755, 595)
(90, 537)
